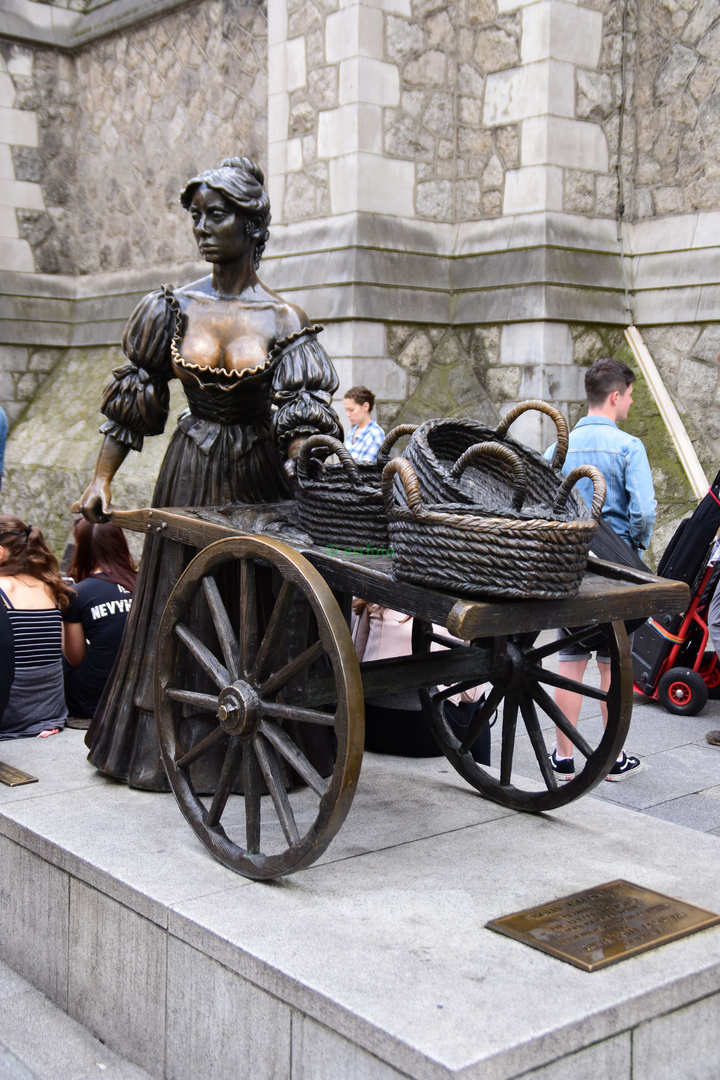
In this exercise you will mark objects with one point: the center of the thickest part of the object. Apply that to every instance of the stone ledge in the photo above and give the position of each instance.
(44, 24)
(368, 266)
(378, 951)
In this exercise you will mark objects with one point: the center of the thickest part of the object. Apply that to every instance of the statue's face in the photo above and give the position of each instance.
(218, 226)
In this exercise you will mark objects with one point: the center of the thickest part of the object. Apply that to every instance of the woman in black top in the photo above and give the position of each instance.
(93, 625)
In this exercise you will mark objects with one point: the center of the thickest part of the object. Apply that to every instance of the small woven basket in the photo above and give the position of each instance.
(437, 446)
(342, 505)
(509, 553)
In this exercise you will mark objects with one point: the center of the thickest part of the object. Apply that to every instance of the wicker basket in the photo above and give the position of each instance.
(508, 553)
(342, 505)
(437, 446)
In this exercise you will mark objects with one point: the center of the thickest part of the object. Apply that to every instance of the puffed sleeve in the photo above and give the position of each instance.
(304, 382)
(137, 399)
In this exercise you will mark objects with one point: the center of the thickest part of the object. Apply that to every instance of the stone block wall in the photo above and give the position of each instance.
(95, 145)
(446, 112)
(677, 108)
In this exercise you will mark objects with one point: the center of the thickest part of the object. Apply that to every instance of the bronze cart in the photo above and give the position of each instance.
(260, 680)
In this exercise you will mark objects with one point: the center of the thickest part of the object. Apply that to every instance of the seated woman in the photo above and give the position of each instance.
(34, 596)
(94, 622)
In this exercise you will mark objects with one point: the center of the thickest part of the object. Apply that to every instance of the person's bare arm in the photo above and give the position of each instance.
(94, 503)
(74, 645)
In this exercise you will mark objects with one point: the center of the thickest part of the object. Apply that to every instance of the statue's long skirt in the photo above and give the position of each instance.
(214, 465)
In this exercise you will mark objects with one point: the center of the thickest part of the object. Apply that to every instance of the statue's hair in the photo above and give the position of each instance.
(242, 182)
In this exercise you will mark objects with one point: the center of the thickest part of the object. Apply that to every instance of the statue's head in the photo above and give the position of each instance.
(241, 182)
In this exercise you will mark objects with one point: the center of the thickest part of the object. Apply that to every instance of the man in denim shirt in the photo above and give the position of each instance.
(3, 437)
(629, 509)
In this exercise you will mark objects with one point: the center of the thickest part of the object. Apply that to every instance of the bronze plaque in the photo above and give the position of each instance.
(600, 926)
(13, 777)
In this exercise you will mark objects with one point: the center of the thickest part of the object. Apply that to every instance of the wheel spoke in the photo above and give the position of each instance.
(225, 782)
(204, 657)
(562, 683)
(199, 749)
(248, 614)
(205, 702)
(482, 717)
(529, 715)
(252, 789)
(508, 738)
(223, 627)
(458, 688)
(274, 630)
(551, 647)
(558, 717)
(278, 711)
(282, 677)
(294, 756)
(273, 778)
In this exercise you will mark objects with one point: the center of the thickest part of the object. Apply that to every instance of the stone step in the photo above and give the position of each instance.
(38, 1041)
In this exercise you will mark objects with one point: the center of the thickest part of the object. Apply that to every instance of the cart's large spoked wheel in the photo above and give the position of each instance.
(520, 705)
(273, 634)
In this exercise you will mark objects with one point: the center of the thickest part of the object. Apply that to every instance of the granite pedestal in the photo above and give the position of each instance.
(374, 964)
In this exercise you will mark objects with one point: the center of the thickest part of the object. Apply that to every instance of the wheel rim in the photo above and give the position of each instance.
(259, 670)
(521, 695)
(680, 693)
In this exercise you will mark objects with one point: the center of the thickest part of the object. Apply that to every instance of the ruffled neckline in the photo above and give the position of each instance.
(235, 375)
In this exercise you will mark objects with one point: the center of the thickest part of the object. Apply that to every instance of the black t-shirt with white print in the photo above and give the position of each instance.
(102, 607)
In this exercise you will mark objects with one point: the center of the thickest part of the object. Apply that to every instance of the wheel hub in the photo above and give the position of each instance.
(512, 671)
(238, 709)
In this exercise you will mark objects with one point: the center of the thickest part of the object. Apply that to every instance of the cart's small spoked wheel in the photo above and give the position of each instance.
(520, 704)
(238, 700)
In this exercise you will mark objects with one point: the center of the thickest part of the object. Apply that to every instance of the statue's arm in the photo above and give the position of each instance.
(135, 401)
(304, 384)
(95, 501)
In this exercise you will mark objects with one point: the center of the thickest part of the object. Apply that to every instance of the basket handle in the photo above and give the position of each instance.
(555, 415)
(391, 438)
(505, 454)
(409, 482)
(332, 446)
(599, 489)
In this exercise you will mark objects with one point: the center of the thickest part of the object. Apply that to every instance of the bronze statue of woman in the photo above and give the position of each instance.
(238, 349)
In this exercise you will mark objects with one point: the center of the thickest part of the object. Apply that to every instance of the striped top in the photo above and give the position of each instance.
(37, 636)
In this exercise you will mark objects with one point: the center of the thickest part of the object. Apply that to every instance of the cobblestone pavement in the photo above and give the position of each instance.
(680, 781)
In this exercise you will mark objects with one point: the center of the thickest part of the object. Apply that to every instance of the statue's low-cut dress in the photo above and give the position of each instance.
(228, 448)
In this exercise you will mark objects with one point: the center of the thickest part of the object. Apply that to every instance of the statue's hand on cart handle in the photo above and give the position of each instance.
(94, 503)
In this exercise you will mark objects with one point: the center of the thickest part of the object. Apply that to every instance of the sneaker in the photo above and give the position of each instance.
(713, 737)
(627, 766)
(565, 767)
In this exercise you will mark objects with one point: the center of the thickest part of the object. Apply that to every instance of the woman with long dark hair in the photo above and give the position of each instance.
(104, 574)
(33, 595)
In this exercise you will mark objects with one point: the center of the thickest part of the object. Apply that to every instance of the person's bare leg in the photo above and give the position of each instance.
(570, 702)
(604, 670)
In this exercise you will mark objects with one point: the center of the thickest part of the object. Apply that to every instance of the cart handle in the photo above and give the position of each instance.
(331, 446)
(409, 482)
(391, 438)
(506, 455)
(599, 489)
(555, 415)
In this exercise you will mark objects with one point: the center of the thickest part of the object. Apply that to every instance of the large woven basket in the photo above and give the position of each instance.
(342, 505)
(437, 445)
(510, 553)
